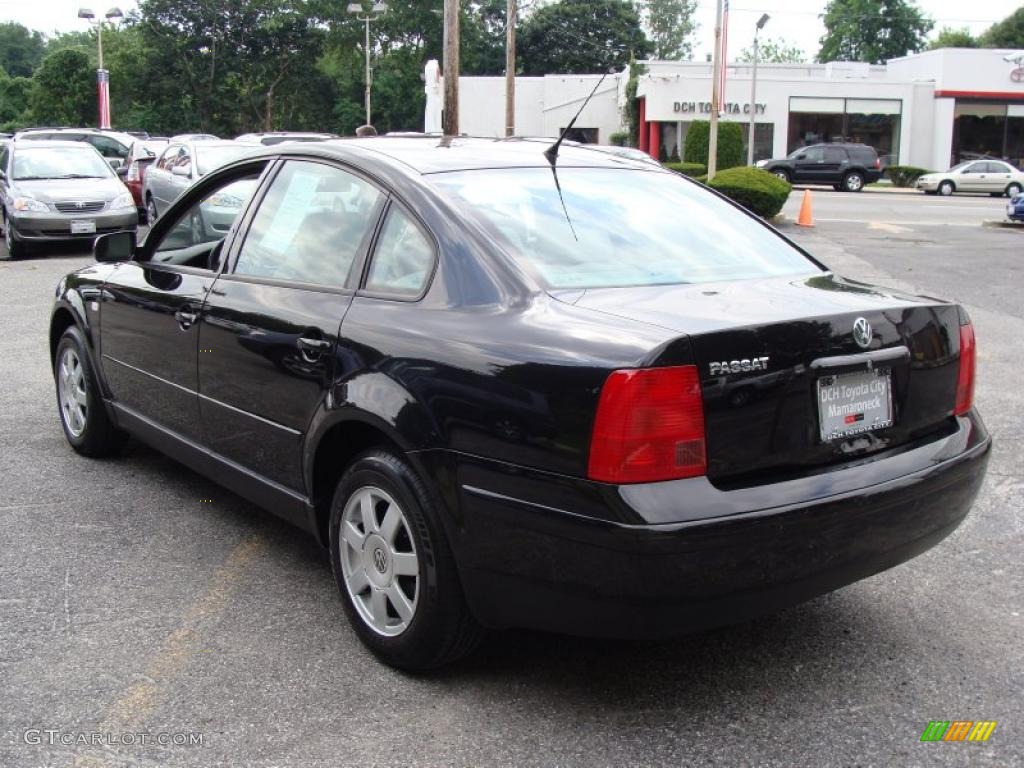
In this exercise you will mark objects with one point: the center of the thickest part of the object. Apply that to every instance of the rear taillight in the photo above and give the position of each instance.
(878, 163)
(133, 171)
(965, 378)
(649, 427)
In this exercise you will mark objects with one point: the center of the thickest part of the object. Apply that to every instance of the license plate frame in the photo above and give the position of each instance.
(83, 227)
(850, 404)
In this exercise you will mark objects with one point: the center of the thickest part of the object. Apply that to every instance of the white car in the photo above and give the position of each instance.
(992, 176)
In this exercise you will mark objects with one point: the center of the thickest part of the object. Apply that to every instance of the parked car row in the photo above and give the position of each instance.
(993, 176)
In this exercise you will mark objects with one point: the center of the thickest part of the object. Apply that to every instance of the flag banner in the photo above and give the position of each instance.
(103, 97)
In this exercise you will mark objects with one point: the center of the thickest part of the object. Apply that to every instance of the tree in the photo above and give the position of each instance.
(949, 37)
(671, 26)
(20, 50)
(64, 90)
(872, 30)
(14, 96)
(1008, 33)
(581, 36)
(773, 51)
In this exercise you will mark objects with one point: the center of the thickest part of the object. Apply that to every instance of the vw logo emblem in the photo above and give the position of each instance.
(79, 205)
(380, 560)
(862, 332)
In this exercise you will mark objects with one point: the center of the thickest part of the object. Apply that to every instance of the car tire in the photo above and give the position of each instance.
(946, 188)
(151, 212)
(853, 181)
(393, 566)
(779, 173)
(87, 425)
(1013, 189)
(13, 248)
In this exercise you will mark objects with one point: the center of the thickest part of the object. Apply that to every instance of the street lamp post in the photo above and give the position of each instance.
(753, 92)
(102, 76)
(372, 15)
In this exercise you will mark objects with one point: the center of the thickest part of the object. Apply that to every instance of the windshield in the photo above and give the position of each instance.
(210, 158)
(961, 166)
(71, 162)
(620, 227)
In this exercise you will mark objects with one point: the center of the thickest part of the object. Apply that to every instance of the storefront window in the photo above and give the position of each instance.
(986, 129)
(875, 122)
(764, 138)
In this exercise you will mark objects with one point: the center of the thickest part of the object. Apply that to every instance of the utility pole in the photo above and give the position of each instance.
(753, 91)
(510, 69)
(716, 80)
(451, 68)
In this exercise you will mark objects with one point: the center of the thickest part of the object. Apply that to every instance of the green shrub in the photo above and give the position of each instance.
(758, 191)
(904, 175)
(688, 169)
(730, 144)
(619, 139)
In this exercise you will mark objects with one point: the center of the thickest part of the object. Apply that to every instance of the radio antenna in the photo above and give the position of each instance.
(551, 153)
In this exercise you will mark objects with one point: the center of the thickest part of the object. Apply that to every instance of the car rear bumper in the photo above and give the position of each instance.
(543, 567)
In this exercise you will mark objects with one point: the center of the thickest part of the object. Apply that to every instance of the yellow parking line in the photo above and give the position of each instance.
(134, 704)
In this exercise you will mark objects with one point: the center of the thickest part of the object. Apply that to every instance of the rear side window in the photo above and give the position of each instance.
(863, 156)
(403, 259)
(619, 227)
(834, 155)
(310, 225)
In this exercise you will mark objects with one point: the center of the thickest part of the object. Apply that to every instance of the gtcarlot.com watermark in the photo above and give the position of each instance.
(52, 737)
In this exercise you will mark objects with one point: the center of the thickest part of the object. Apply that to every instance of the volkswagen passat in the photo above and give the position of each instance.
(570, 392)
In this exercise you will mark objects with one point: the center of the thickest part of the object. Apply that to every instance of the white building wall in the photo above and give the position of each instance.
(926, 84)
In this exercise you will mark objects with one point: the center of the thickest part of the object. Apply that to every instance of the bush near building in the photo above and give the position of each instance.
(730, 144)
(904, 175)
(692, 170)
(619, 139)
(758, 191)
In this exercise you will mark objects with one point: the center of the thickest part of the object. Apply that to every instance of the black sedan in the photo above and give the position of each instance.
(570, 392)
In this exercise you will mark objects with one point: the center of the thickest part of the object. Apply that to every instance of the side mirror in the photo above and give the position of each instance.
(182, 170)
(122, 171)
(114, 247)
(801, 157)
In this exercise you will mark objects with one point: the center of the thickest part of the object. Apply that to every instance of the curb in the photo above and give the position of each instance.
(1002, 224)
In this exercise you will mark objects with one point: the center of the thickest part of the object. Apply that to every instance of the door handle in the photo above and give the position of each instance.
(313, 347)
(186, 317)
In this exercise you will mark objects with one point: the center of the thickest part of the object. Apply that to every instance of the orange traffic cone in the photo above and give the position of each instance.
(806, 217)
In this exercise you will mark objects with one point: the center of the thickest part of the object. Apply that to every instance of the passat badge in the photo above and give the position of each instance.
(740, 366)
(862, 332)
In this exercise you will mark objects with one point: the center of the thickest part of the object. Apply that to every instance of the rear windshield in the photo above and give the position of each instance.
(617, 227)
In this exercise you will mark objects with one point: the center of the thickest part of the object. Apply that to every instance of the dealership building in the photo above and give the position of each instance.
(929, 109)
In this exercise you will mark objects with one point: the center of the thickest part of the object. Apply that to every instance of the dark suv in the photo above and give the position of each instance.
(845, 166)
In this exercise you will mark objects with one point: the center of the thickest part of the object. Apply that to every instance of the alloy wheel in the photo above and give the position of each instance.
(379, 563)
(151, 213)
(945, 189)
(72, 393)
(854, 182)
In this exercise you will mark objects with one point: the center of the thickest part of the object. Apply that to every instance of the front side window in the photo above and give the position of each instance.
(403, 258)
(108, 147)
(168, 157)
(812, 155)
(195, 237)
(619, 227)
(310, 226)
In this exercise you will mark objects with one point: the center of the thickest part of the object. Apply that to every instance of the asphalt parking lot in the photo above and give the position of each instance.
(139, 598)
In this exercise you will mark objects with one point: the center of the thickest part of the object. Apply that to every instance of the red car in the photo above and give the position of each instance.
(140, 155)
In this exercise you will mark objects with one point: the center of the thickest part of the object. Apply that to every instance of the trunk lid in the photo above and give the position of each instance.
(771, 352)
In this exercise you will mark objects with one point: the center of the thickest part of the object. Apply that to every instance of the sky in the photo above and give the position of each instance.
(794, 20)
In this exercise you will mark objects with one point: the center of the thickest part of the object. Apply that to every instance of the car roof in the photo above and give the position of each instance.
(52, 144)
(119, 135)
(434, 154)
